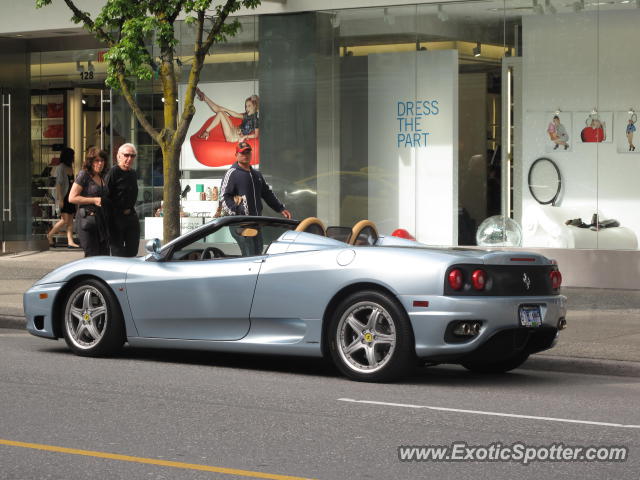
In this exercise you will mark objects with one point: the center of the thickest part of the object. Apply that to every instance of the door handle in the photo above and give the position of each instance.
(6, 105)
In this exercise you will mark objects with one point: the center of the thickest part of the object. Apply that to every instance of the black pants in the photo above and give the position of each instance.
(249, 246)
(91, 241)
(125, 235)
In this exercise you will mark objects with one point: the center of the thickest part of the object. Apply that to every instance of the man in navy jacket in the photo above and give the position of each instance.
(242, 191)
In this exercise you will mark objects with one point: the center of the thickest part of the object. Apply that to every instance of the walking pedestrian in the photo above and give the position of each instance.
(122, 184)
(64, 181)
(241, 193)
(89, 192)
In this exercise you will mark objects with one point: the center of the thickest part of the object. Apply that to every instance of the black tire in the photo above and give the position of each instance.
(92, 322)
(382, 336)
(501, 366)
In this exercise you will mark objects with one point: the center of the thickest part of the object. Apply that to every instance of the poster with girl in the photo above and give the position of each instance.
(557, 132)
(627, 134)
(226, 113)
(594, 127)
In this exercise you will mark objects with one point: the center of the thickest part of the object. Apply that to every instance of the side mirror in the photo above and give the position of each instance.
(153, 246)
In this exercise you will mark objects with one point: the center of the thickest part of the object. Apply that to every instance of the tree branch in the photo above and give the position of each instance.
(86, 19)
(126, 93)
(194, 75)
(217, 25)
(174, 15)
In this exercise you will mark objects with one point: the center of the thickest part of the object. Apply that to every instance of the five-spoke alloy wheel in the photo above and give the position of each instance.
(92, 320)
(370, 338)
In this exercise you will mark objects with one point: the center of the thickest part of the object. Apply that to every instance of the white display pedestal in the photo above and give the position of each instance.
(153, 225)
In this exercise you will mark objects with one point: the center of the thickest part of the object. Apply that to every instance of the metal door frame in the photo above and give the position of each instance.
(5, 146)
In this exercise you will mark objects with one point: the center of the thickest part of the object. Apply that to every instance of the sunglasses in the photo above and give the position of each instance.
(130, 155)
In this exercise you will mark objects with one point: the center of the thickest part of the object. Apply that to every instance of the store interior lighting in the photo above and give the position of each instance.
(477, 50)
(442, 15)
(549, 8)
(537, 8)
(335, 20)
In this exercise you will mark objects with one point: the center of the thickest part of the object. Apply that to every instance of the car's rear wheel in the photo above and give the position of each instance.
(501, 366)
(370, 338)
(93, 324)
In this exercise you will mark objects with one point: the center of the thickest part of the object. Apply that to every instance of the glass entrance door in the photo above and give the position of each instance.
(96, 119)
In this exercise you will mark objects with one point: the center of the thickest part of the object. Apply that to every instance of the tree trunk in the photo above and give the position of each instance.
(171, 193)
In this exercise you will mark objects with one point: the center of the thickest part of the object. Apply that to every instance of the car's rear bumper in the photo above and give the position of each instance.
(500, 335)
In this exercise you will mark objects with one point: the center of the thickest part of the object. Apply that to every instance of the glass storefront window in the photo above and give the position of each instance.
(427, 117)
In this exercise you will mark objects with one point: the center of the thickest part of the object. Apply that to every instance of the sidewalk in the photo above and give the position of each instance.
(602, 324)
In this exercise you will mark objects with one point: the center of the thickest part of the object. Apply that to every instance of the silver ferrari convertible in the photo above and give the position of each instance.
(375, 305)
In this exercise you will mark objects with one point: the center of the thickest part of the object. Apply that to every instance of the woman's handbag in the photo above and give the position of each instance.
(87, 220)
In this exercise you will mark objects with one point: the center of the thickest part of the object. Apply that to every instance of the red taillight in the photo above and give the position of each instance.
(455, 279)
(479, 279)
(556, 279)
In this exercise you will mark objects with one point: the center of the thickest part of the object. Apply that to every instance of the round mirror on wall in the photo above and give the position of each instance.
(545, 181)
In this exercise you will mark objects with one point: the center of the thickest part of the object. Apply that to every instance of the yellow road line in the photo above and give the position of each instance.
(149, 461)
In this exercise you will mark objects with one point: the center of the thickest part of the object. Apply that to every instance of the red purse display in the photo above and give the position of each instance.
(55, 110)
(54, 131)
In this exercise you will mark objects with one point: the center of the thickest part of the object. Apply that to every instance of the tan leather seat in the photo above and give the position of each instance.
(363, 233)
(312, 225)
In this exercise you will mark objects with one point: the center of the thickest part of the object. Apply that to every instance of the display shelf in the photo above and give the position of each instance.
(48, 116)
(47, 119)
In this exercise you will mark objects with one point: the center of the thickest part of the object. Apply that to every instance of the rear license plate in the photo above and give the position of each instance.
(530, 316)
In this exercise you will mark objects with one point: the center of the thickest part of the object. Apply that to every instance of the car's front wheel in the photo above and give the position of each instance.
(370, 338)
(501, 366)
(93, 324)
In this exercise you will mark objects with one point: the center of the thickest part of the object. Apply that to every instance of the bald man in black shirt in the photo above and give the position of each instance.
(122, 182)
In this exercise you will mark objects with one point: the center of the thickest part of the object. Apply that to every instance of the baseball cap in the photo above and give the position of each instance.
(243, 147)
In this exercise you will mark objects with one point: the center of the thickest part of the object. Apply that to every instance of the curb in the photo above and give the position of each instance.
(14, 322)
(583, 365)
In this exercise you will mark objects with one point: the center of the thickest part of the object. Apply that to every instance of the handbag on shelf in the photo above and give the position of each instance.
(54, 131)
(39, 110)
(55, 110)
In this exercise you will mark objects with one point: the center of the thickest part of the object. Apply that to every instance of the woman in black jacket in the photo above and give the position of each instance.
(89, 192)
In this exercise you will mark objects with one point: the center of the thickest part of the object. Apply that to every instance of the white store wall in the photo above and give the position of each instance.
(576, 62)
(413, 138)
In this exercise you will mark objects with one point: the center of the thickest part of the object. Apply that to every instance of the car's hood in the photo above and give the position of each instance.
(107, 268)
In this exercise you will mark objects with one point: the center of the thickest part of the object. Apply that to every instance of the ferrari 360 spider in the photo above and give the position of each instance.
(375, 305)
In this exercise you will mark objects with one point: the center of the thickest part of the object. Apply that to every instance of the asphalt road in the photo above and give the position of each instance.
(288, 417)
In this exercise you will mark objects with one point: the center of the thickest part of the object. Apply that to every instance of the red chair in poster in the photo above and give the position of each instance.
(215, 151)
